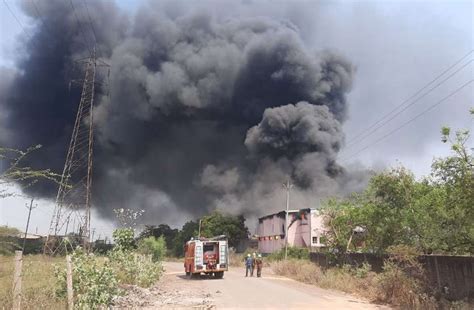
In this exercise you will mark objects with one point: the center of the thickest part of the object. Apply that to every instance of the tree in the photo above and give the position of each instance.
(17, 173)
(454, 177)
(432, 215)
(219, 224)
(162, 230)
(189, 230)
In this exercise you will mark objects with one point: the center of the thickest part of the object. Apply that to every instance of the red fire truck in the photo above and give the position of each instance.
(206, 255)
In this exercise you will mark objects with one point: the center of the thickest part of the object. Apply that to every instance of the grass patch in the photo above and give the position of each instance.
(38, 282)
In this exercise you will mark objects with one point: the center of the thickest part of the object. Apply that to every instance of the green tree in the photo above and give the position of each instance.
(432, 215)
(233, 227)
(189, 230)
(453, 176)
(161, 230)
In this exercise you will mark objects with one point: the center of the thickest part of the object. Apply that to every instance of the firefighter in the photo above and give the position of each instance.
(248, 265)
(254, 260)
(259, 264)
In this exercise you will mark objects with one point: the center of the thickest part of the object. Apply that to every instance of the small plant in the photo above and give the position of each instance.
(133, 268)
(363, 271)
(124, 238)
(94, 281)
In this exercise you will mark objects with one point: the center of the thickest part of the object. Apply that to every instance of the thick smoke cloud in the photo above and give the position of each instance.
(293, 130)
(204, 111)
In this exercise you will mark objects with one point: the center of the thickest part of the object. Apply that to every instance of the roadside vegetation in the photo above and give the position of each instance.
(97, 278)
(433, 214)
(401, 217)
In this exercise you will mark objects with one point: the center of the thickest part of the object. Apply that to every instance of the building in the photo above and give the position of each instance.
(305, 229)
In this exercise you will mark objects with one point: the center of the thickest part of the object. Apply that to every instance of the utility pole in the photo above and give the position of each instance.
(288, 186)
(199, 233)
(67, 224)
(27, 224)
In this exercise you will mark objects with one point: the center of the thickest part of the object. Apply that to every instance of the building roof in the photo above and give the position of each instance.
(283, 213)
(29, 236)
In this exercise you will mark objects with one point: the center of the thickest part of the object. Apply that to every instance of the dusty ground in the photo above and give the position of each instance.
(175, 291)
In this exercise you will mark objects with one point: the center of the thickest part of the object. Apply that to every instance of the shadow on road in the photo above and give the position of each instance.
(197, 277)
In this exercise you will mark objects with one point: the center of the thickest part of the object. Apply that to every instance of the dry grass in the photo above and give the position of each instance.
(38, 282)
(389, 287)
(236, 259)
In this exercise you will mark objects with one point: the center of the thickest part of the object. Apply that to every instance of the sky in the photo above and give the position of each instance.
(397, 47)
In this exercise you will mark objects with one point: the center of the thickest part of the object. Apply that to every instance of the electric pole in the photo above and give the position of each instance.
(288, 186)
(27, 224)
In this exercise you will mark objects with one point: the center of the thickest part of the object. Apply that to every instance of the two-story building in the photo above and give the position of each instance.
(305, 229)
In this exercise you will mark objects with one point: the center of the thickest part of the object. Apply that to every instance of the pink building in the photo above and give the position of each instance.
(305, 229)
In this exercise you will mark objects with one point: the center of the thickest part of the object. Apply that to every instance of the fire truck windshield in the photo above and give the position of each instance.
(208, 247)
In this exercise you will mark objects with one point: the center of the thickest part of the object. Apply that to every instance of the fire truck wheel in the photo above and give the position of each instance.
(219, 274)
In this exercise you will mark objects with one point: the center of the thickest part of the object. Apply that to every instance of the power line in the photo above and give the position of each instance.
(40, 17)
(18, 21)
(91, 23)
(409, 121)
(80, 28)
(361, 134)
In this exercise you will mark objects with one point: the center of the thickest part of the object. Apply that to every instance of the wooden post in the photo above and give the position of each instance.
(70, 292)
(17, 280)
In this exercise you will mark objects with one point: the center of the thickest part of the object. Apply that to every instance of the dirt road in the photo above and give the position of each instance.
(236, 291)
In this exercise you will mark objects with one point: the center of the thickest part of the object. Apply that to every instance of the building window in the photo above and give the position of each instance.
(315, 239)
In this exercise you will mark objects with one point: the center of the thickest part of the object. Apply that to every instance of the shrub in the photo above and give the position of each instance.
(300, 270)
(154, 247)
(396, 287)
(94, 281)
(8, 242)
(134, 269)
(293, 252)
(124, 238)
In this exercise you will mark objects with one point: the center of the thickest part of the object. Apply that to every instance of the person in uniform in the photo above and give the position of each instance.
(254, 258)
(248, 265)
(259, 264)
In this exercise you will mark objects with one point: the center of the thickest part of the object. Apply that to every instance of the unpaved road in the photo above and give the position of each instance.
(175, 291)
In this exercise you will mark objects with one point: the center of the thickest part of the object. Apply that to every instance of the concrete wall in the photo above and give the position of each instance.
(452, 276)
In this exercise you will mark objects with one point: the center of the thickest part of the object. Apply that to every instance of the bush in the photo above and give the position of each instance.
(300, 270)
(132, 268)
(8, 241)
(293, 252)
(393, 286)
(154, 247)
(94, 281)
(396, 287)
(124, 238)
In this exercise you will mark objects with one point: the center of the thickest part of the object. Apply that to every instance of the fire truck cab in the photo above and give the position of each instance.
(209, 256)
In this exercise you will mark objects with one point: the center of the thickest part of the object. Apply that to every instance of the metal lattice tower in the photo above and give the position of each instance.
(73, 200)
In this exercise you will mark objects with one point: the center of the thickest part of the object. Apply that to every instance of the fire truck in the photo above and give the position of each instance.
(206, 255)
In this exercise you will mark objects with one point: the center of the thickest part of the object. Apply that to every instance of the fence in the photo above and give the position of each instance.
(451, 275)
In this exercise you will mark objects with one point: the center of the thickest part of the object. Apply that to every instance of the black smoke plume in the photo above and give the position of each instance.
(205, 111)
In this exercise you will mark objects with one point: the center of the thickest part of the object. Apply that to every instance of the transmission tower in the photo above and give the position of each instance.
(73, 199)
